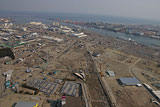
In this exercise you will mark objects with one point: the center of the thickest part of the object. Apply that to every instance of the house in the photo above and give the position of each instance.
(96, 54)
(110, 73)
(8, 75)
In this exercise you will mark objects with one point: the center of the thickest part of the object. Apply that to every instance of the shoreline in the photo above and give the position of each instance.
(128, 47)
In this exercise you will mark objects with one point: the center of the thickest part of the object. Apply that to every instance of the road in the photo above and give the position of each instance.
(101, 81)
(67, 49)
(131, 68)
(85, 94)
(84, 86)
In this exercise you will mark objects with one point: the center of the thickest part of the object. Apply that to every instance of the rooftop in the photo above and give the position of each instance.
(70, 88)
(26, 104)
(45, 86)
(110, 73)
(157, 94)
(129, 81)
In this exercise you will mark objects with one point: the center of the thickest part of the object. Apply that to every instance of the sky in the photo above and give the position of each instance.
(144, 9)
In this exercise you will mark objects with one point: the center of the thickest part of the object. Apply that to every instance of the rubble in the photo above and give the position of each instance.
(68, 65)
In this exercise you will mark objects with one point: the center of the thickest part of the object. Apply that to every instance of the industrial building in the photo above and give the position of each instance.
(26, 104)
(148, 87)
(70, 88)
(45, 86)
(79, 35)
(128, 81)
(35, 23)
(157, 94)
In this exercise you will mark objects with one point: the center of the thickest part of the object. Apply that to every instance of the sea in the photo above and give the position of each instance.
(20, 17)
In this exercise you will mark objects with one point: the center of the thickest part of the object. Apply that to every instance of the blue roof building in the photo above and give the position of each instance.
(129, 81)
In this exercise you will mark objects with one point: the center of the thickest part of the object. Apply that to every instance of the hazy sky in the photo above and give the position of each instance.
(146, 9)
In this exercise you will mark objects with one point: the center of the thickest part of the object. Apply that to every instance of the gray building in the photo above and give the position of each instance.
(26, 104)
(129, 81)
(70, 88)
(46, 87)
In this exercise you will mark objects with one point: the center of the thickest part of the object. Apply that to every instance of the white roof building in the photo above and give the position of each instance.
(8, 75)
(79, 35)
(110, 73)
(157, 94)
(35, 23)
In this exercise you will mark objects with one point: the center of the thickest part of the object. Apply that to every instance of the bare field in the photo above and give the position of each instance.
(73, 55)
(120, 63)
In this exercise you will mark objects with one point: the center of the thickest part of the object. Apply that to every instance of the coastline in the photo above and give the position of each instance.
(139, 50)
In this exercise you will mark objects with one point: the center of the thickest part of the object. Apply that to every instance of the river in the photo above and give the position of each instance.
(139, 39)
(47, 18)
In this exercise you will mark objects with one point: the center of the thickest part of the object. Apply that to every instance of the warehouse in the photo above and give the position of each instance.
(128, 81)
(45, 86)
(70, 88)
(157, 94)
(26, 104)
